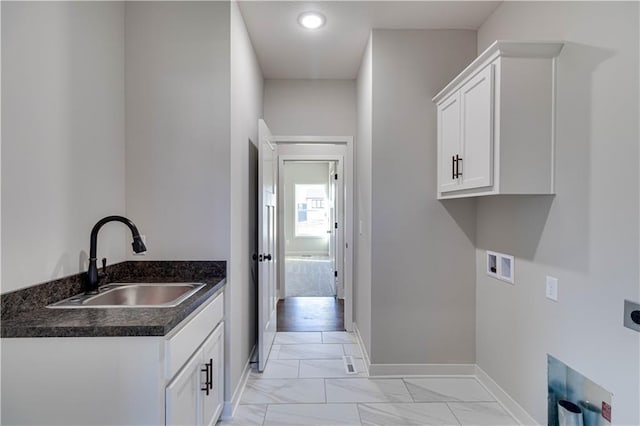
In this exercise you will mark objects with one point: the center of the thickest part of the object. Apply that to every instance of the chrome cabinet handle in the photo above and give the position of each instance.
(453, 167)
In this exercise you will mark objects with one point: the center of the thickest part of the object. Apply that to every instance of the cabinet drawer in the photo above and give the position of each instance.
(183, 344)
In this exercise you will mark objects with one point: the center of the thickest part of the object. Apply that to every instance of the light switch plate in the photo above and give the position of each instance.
(552, 288)
(629, 308)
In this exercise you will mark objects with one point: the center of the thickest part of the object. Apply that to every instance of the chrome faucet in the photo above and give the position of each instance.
(92, 272)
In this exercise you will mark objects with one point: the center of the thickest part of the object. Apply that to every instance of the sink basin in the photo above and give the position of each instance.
(133, 295)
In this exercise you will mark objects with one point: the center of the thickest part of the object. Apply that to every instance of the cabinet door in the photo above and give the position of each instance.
(213, 354)
(183, 393)
(448, 141)
(476, 98)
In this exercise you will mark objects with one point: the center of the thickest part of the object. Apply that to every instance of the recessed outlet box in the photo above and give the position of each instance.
(492, 264)
(632, 315)
(506, 268)
(500, 266)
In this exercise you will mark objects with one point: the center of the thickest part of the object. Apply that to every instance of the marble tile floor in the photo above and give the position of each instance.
(306, 383)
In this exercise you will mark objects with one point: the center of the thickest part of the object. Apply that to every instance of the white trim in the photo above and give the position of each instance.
(509, 404)
(348, 168)
(502, 48)
(363, 349)
(230, 406)
(405, 370)
(321, 140)
(554, 109)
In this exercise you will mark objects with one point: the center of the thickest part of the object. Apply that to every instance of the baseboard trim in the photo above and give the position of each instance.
(404, 370)
(363, 349)
(230, 406)
(509, 404)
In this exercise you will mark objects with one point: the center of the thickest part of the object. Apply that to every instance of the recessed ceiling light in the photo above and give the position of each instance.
(311, 20)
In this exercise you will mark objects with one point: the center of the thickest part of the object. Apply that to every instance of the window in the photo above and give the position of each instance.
(312, 214)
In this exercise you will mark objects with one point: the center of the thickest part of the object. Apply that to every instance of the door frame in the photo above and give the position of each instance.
(317, 142)
(340, 255)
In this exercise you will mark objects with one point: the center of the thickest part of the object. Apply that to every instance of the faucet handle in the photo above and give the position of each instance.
(104, 274)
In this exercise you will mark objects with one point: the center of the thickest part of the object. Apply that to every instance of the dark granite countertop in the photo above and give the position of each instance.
(24, 312)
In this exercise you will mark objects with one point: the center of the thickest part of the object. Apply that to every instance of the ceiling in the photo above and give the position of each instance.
(286, 50)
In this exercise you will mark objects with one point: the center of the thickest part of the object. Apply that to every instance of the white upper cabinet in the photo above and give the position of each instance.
(496, 123)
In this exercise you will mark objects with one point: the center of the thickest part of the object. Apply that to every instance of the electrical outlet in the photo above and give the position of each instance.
(551, 291)
(632, 315)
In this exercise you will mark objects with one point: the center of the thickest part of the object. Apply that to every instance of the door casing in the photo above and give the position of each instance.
(323, 148)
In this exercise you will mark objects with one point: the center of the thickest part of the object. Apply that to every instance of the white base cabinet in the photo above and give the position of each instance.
(496, 123)
(118, 380)
(194, 396)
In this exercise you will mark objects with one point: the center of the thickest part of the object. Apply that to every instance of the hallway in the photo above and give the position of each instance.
(311, 314)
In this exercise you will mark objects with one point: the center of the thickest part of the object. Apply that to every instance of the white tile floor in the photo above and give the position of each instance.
(305, 383)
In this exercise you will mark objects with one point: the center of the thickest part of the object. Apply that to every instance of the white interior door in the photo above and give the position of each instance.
(267, 282)
(339, 231)
(332, 220)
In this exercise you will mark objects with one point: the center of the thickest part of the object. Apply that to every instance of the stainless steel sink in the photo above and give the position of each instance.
(133, 295)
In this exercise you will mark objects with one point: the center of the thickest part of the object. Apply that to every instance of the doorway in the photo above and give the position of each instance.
(312, 210)
(314, 284)
(309, 239)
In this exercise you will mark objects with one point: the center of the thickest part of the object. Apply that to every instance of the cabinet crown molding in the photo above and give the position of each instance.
(504, 48)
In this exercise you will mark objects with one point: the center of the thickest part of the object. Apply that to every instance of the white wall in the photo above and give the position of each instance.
(246, 109)
(587, 235)
(362, 225)
(302, 173)
(310, 107)
(177, 104)
(63, 139)
(422, 250)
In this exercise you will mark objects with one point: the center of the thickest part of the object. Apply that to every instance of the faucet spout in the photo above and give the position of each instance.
(92, 272)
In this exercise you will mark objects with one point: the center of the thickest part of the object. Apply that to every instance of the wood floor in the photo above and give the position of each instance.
(311, 314)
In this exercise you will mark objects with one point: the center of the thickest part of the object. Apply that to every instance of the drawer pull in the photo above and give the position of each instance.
(208, 371)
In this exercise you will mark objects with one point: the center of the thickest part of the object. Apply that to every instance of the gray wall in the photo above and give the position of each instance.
(63, 139)
(246, 109)
(177, 104)
(587, 235)
(302, 173)
(422, 250)
(362, 222)
(310, 107)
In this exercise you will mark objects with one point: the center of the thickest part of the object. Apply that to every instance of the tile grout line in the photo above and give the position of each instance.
(264, 418)
(454, 414)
